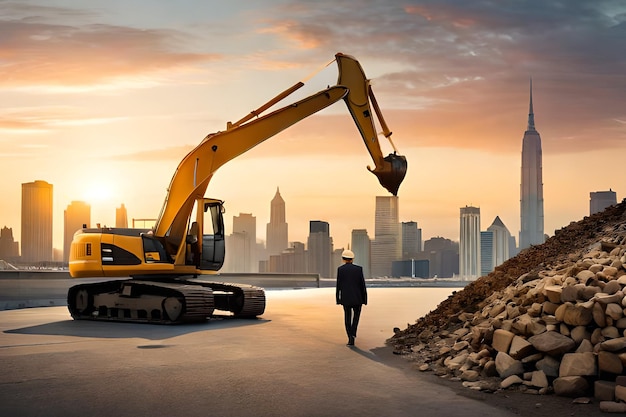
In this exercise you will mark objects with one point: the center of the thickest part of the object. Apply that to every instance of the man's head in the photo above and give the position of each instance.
(347, 255)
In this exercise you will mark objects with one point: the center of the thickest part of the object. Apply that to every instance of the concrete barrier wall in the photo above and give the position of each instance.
(34, 288)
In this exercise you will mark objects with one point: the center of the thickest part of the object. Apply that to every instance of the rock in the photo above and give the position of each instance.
(569, 294)
(552, 343)
(502, 340)
(549, 366)
(539, 379)
(520, 348)
(604, 390)
(609, 362)
(570, 386)
(614, 345)
(510, 381)
(507, 366)
(553, 293)
(612, 407)
(578, 364)
(620, 393)
(598, 315)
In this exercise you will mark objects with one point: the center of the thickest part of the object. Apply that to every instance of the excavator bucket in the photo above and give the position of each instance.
(392, 173)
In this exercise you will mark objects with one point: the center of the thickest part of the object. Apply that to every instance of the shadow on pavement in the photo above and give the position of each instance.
(119, 330)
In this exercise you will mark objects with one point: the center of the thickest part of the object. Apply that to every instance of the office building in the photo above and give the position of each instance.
(9, 248)
(121, 217)
(469, 243)
(76, 216)
(487, 253)
(319, 249)
(387, 244)
(600, 200)
(241, 248)
(411, 240)
(443, 257)
(36, 222)
(277, 229)
(501, 241)
(531, 190)
(361, 245)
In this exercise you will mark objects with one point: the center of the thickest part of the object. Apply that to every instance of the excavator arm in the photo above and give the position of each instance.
(193, 174)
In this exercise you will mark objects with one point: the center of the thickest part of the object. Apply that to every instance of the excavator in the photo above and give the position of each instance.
(165, 265)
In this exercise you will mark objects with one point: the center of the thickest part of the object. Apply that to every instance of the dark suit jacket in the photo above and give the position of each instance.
(351, 289)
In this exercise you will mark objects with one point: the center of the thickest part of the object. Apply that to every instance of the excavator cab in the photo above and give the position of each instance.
(213, 248)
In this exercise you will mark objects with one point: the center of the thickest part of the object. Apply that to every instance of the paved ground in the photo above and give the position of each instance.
(291, 362)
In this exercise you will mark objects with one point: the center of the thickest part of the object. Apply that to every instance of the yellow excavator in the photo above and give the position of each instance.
(165, 264)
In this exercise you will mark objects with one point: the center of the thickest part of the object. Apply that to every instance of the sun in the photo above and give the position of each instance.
(99, 190)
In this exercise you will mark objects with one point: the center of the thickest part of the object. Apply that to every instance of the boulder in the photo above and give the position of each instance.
(507, 366)
(552, 343)
(578, 364)
(570, 386)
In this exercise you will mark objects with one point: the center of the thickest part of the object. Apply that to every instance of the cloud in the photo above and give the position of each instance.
(36, 50)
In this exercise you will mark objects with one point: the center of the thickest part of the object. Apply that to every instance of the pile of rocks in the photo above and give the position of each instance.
(559, 326)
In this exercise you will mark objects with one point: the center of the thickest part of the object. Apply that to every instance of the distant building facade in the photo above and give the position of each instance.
(277, 229)
(319, 248)
(443, 257)
(600, 200)
(531, 190)
(241, 248)
(76, 215)
(121, 217)
(361, 245)
(9, 248)
(36, 222)
(469, 243)
(487, 252)
(501, 241)
(411, 240)
(387, 244)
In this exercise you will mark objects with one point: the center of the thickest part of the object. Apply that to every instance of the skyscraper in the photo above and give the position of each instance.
(469, 243)
(121, 217)
(501, 241)
(361, 246)
(387, 244)
(600, 200)
(77, 214)
(487, 254)
(277, 229)
(319, 248)
(36, 222)
(244, 233)
(411, 240)
(531, 190)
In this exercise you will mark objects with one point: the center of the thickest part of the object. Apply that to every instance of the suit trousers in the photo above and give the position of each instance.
(351, 317)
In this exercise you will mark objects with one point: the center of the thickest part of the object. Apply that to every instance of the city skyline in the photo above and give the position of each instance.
(450, 77)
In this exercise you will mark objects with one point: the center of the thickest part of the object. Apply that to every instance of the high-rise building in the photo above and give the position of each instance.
(277, 228)
(76, 216)
(487, 252)
(531, 190)
(600, 200)
(319, 248)
(9, 248)
(501, 241)
(244, 234)
(469, 243)
(387, 244)
(36, 222)
(411, 240)
(121, 217)
(443, 257)
(361, 246)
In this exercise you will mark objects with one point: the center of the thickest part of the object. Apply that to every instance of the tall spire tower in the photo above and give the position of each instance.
(531, 190)
(277, 228)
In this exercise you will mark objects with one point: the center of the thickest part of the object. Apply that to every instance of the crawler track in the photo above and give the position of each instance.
(163, 302)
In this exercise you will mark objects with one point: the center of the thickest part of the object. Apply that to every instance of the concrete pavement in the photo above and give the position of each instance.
(290, 362)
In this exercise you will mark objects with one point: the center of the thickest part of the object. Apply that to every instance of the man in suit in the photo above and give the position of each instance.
(351, 293)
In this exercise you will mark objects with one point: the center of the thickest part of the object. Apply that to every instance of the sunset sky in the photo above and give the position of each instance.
(104, 98)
